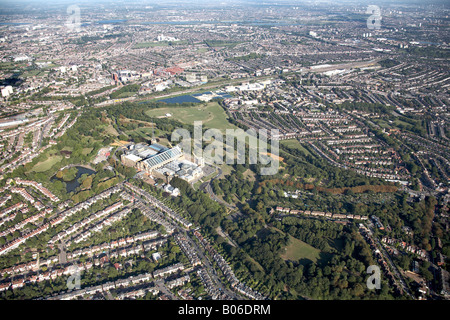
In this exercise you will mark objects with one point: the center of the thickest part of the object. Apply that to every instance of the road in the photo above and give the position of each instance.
(206, 186)
(195, 89)
(62, 253)
(205, 261)
(226, 236)
(358, 64)
(208, 267)
(108, 295)
(392, 266)
(162, 288)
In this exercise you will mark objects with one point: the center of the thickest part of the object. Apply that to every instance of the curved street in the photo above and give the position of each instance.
(206, 187)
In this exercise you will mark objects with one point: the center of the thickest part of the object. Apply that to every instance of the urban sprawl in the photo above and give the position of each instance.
(97, 200)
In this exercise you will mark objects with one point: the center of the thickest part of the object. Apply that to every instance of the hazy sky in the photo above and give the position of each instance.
(44, 4)
(221, 1)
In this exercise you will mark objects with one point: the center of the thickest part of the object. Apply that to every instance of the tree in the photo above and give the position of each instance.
(426, 274)
(404, 262)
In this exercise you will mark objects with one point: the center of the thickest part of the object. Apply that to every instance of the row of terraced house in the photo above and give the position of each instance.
(320, 214)
(84, 205)
(75, 267)
(92, 217)
(39, 187)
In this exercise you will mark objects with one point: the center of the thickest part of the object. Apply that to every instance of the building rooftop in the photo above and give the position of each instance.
(133, 157)
(158, 147)
(163, 157)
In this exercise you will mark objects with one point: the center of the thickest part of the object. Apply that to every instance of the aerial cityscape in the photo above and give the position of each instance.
(224, 150)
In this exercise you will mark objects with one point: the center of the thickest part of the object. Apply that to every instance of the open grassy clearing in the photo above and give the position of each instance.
(212, 115)
(124, 120)
(298, 250)
(382, 123)
(226, 169)
(32, 73)
(111, 130)
(46, 164)
(164, 142)
(125, 95)
(145, 133)
(294, 144)
(86, 151)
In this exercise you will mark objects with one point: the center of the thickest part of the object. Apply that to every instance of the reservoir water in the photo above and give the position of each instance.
(181, 99)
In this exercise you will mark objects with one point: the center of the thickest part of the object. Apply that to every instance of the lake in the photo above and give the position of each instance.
(253, 22)
(181, 99)
(114, 21)
(72, 185)
(190, 98)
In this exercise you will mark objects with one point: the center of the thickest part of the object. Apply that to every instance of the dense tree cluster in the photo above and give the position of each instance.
(315, 232)
(129, 88)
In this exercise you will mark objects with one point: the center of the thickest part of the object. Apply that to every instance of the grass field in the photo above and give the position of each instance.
(212, 115)
(164, 142)
(298, 250)
(126, 120)
(406, 124)
(146, 133)
(86, 151)
(197, 185)
(158, 44)
(33, 73)
(47, 164)
(382, 123)
(294, 144)
(111, 130)
(226, 169)
(125, 95)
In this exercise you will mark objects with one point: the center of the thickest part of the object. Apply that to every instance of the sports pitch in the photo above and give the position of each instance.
(212, 115)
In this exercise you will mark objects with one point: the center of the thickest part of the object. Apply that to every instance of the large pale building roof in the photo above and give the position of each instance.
(163, 157)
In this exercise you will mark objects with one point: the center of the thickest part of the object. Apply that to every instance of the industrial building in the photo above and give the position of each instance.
(162, 162)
